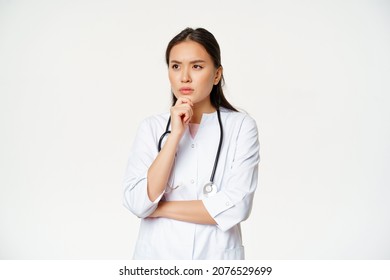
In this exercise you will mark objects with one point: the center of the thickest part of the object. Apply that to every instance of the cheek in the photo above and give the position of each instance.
(171, 77)
(207, 80)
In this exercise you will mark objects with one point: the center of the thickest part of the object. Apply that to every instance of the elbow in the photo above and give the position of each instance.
(247, 209)
(139, 209)
(235, 215)
(135, 199)
(227, 224)
(140, 213)
(245, 215)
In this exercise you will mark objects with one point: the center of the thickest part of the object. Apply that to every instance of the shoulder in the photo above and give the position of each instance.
(238, 118)
(155, 121)
(241, 129)
(153, 125)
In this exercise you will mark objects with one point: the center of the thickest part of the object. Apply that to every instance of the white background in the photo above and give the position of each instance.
(77, 77)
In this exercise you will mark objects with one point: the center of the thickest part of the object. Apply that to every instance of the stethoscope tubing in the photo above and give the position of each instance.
(167, 131)
(219, 148)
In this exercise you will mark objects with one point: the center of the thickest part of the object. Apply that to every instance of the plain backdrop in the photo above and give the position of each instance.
(77, 77)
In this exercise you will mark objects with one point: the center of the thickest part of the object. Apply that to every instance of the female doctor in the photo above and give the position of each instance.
(192, 172)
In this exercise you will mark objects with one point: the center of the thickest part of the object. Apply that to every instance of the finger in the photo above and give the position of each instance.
(183, 107)
(188, 116)
(184, 100)
(184, 113)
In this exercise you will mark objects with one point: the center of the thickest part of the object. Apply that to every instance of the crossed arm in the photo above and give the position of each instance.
(231, 206)
(192, 211)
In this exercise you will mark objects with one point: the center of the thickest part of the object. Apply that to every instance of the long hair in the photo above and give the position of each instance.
(208, 41)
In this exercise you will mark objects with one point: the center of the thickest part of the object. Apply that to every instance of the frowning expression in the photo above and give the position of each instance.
(192, 72)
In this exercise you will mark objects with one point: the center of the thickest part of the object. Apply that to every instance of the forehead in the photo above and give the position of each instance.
(189, 51)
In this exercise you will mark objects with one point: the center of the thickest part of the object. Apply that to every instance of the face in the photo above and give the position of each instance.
(192, 72)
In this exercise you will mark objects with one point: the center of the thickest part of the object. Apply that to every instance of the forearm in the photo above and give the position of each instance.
(159, 171)
(192, 211)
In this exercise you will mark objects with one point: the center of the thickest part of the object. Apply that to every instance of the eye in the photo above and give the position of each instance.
(175, 66)
(198, 67)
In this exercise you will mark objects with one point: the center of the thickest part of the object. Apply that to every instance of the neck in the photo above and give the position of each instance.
(200, 109)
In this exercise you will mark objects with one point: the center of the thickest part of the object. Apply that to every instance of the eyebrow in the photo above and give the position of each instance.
(191, 62)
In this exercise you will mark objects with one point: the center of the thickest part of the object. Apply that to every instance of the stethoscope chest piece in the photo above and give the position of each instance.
(209, 189)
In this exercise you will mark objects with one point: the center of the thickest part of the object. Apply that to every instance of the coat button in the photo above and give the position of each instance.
(227, 203)
(192, 181)
(192, 145)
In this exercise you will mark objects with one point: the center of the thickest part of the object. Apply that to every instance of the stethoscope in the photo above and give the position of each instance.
(210, 188)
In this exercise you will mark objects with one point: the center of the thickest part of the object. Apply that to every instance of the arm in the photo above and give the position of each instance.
(147, 171)
(192, 211)
(159, 171)
(142, 154)
(233, 203)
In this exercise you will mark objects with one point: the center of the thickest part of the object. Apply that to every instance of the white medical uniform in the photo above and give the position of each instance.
(235, 177)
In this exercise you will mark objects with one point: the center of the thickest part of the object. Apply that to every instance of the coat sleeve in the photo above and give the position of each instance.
(233, 203)
(142, 155)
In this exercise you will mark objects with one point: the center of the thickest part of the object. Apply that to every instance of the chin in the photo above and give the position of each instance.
(190, 97)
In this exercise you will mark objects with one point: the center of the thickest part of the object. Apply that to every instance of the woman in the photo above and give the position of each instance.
(184, 216)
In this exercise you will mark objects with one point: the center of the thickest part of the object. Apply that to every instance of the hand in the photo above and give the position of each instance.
(181, 114)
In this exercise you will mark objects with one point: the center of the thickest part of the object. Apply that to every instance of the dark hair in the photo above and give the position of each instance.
(208, 41)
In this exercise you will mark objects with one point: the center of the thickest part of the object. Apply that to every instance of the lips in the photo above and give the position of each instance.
(186, 90)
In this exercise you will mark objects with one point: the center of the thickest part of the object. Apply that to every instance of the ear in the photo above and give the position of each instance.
(218, 75)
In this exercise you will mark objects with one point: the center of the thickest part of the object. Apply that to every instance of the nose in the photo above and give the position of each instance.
(185, 75)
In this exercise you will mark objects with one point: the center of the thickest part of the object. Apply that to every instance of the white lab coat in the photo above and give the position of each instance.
(235, 177)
